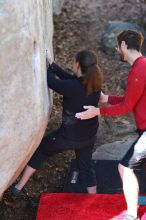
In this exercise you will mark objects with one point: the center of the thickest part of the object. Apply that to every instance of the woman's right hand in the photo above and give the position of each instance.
(103, 98)
(49, 58)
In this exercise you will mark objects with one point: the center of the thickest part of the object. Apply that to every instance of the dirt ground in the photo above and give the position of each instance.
(79, 26)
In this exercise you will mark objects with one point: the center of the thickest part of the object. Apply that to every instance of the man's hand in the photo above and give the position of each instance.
(103, 98)
(49, 58)
(90, 113)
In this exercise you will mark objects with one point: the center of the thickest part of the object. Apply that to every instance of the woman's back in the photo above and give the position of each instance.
(74, 98)
(72, 127)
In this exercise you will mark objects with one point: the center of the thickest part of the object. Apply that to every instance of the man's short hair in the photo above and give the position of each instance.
(132, 38)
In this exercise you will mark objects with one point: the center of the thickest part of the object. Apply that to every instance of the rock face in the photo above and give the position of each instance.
(26, 30)
(57, 6)
(115, 150)
(108, 40)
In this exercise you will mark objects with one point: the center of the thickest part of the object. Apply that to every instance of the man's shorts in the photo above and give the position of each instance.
(136, 155)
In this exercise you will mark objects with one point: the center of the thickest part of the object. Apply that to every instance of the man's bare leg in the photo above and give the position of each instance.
(130, 188)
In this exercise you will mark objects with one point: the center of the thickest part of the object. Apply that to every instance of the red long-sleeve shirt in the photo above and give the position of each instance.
(134, 98)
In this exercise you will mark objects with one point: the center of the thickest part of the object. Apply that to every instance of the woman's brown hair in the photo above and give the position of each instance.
(91, 77)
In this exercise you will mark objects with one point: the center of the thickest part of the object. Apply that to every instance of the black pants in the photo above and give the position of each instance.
(55, 143)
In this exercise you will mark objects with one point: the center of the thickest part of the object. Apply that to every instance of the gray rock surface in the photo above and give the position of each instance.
(108, 39)
(57, 6)
(115, 150)
(26, 30)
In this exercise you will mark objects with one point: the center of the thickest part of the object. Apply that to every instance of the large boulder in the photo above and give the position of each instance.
(112, 29)
(26, 30)
(57, 6)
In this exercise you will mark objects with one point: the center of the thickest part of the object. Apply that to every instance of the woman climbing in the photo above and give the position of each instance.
(82, 88)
